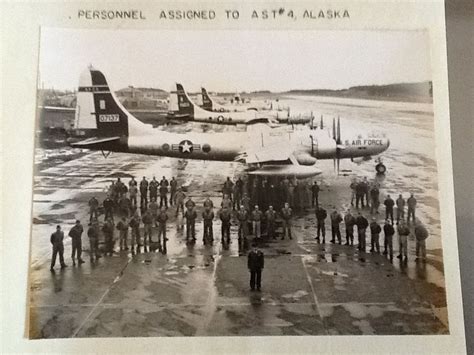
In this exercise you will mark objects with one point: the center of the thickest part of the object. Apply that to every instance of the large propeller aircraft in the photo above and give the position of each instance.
(182, 108)
(103, 124)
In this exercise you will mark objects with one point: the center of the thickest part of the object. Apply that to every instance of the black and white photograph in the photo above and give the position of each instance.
(235, 183)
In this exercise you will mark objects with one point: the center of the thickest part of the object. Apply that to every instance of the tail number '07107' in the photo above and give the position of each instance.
(109, 118)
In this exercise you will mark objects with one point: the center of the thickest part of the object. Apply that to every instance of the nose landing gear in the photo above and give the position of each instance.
(380, 168)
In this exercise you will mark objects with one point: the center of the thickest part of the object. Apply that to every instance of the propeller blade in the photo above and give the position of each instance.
(338, 141)
(338, 161)
(322, 123)
(334, 128)
(334, 163)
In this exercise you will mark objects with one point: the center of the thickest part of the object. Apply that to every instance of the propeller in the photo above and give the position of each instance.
(311, 120)
(336, 135)
(322, 123)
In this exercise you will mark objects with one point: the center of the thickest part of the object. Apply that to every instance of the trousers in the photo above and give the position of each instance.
(255, 279)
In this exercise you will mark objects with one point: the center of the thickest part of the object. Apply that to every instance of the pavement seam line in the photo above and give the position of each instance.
(100, 299)
(316, 302)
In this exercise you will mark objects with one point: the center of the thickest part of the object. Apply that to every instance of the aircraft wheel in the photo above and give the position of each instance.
(380, 168)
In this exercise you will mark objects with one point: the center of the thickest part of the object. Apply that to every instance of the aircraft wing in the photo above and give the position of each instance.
(271, 153)
(93, 142)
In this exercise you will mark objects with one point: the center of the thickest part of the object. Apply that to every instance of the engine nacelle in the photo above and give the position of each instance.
(305, 159)
(359, 160)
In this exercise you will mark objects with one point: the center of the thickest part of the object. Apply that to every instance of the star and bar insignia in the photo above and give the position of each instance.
(186, 146)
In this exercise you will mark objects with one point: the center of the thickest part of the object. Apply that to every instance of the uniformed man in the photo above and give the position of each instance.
(421, 233)
(389, 203)
(153, 208)
(153, 189)
(315, 194)
(270, 217)
(76, 235)
(243, 219)
(388, 231)
(246, 201)
(162, 219)
(375, 230)
(173, 189)
(255, 264)
(374, 199)
(93, 234)
(349, 222)
(225, 217)
(108, 230)
(133, 192)
(236, 196)
(286, 214)
(240, 185)
(132, 182)
(411, 202)
(360, 191)
(400, 208)
(93, 209)
(207, 218)
(58, 247)
(321, 215)
(111, 190)
(135, 227)
(362, 223)
(190, 203)
(227, 187)
(163, 194)
(164, 182)
(403, 233)
(179, 200)
(226, 202)
(125, 206)
(208, 204)
(366, 187)
(190, 216)
(291, 192)
(108, 208)
(122, 227)
(336, 220)
(285, 184)
(121, 188)
(147, 220)
(144, 192)
(256, 222)
(353, 187)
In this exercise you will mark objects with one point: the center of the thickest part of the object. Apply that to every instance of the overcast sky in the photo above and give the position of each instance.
(235, 60)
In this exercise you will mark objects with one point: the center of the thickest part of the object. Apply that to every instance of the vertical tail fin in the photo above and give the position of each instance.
(180, 104)
(98, 109)
(207, 103)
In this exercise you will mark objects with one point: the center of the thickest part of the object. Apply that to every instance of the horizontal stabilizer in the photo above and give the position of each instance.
(94, 142)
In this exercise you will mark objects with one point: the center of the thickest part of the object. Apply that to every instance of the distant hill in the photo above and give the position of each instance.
(414, 92)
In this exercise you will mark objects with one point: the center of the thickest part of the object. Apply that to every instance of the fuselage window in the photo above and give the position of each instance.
(102, 104)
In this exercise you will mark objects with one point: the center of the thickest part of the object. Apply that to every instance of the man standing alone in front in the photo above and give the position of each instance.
(58, 247)
(255, 265)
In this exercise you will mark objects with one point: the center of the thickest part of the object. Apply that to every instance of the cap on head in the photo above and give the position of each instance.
(58, 227)
(78, 221)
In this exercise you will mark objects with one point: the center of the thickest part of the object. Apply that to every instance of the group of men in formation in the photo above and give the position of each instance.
(254, 204)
